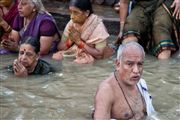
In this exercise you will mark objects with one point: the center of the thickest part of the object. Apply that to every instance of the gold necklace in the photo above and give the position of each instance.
(26, 23)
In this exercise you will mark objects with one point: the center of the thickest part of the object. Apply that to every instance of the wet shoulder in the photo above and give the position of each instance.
(107, 85)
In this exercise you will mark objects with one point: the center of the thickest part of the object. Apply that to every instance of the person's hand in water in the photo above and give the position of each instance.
(19, 69)
(58, 55)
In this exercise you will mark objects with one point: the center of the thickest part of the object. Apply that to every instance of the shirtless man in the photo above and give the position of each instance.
(124, 95)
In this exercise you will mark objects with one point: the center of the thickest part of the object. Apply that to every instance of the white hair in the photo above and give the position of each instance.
(39, 5)
(123, 46)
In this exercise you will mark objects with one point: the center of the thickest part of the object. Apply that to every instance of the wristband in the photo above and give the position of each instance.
(68, 43)
(81, 45)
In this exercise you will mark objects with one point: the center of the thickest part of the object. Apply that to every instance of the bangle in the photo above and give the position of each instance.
(68, 43)
(9, 29)
(81, 45)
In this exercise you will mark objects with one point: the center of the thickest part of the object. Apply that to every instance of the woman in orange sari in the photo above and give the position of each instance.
(85, 32)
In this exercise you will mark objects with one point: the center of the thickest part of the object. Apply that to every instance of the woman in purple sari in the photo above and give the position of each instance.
(33, 20)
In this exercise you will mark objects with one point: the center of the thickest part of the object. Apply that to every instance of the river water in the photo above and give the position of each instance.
(69, 93)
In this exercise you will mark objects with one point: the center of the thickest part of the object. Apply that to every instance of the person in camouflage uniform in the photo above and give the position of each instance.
(152, 23)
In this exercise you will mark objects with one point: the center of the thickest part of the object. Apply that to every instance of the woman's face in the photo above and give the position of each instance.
(27, 55)
(78, 16)
(26, 8)
(5, 3)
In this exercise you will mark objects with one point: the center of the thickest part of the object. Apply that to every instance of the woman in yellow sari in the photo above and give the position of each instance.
(86, 33)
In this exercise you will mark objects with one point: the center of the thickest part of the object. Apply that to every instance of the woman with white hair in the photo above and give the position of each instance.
(33, 20)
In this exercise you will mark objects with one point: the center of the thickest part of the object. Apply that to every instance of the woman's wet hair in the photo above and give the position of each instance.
(84, 5)
(33, 42)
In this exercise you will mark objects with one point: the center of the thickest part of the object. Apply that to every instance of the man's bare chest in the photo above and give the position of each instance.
(130, 108)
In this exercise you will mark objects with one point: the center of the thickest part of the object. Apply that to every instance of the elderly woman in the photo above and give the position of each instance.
(86, 31)
(28, 61)
(8, 12)
(33, 20)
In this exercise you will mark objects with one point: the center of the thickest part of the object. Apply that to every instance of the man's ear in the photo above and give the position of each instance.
(117, 64)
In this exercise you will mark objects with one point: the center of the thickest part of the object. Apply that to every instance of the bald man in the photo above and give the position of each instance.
(124, 95)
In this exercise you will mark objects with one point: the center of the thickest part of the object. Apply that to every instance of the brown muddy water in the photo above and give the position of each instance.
(69, 93)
